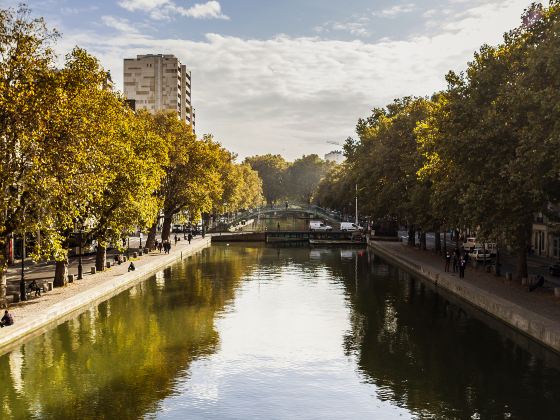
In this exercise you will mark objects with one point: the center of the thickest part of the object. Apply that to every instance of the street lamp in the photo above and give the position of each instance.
(81, 240)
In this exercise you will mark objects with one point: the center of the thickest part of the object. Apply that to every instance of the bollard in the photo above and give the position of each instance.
(135, 255)
(108, 264)
(509, 276)
(125, 258)
(557, 292)
(93, 270)
(50, 285)
(140, 253)
(70, 278)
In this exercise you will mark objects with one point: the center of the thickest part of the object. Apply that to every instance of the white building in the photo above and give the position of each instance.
(159, 82)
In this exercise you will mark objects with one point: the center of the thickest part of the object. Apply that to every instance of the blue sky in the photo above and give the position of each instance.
(286, 76)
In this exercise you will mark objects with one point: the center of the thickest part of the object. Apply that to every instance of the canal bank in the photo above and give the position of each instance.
(535, 314)
(36, 316)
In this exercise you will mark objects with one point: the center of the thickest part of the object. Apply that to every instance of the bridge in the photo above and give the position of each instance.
(298, 211)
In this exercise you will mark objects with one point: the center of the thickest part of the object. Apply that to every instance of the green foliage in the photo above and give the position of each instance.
(272, 171)
(484, 154)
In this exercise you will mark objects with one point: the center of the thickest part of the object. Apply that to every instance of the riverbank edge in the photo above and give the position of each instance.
(539, 328)
(73, 305)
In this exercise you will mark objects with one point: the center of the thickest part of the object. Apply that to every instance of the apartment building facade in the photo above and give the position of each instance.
(157, 82)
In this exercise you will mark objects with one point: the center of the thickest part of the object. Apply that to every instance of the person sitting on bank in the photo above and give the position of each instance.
(6, 320)
(131, 267)
(34, 287)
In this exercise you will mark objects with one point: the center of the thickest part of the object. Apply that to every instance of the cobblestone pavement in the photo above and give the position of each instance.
(23, 311)
(540, 301)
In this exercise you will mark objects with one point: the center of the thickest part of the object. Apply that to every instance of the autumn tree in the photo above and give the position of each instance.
(304, 175)
(272, 171)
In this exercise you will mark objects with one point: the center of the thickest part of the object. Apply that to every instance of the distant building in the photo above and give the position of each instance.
(335, 156)
(159, 82)
(545, 240)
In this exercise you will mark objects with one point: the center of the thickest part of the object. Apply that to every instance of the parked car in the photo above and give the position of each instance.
(479, 254)
(177, 229)
(471, 244)
(349, 227)
(318, 225)
(554, 269)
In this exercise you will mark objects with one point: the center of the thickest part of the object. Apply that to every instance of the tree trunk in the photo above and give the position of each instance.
(151, 241)
(61, 273)
(523, 235)
(438, 241)
(100, 257)
(166, 229)
(423, 240)
(521, 266)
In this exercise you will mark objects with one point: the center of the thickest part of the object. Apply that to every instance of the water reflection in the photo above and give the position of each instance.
(254, 332)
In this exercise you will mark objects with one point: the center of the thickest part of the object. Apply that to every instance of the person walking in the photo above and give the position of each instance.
(176, 239)
(160, 246)
(189, 237)
(462, 265)
(447, 261)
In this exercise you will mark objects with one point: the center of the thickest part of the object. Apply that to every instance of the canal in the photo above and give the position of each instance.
(254, 332)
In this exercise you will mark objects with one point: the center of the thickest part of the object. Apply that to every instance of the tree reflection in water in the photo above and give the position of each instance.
(412, 348)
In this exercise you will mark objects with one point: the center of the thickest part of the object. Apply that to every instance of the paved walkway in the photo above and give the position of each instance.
(38, 312)
(535, 313)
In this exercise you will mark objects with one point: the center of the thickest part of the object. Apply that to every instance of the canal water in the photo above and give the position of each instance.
(253, 332)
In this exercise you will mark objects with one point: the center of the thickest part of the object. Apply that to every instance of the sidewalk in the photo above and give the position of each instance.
(536, 313)
(37, 314)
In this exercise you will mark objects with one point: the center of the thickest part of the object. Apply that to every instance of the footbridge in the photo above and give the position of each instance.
(299, 211)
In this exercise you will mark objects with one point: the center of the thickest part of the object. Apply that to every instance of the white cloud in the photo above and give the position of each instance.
(142, 5)
(395, 10)
(120, 24)
(208, 10)
(167, 9)
(358, 27)
(291, 95)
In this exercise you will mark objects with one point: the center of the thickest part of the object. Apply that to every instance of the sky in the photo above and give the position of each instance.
(287, 76)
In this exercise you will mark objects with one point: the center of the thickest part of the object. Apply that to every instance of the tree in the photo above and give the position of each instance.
(304, 175)
(128, 201)
(192, 179)
(272, 171)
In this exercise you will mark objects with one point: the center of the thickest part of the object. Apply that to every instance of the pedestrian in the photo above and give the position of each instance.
(455, 263)
(447, 261)
(189, 237)
(462, 265)
(131, 267)
(156, 244)
(6, 320)
(160, 246)
(176, 239)
(278, 227)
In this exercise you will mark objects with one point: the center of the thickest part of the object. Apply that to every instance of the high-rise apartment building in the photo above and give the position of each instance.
(159, 82)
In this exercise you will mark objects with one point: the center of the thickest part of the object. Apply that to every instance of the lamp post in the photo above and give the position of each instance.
(80, 266)
(357, 205)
